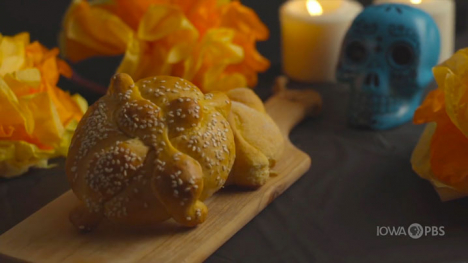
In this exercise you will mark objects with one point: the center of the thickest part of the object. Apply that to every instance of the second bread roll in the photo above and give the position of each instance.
(259, 142)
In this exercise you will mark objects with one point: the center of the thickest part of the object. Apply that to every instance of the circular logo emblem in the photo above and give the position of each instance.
(415, 231)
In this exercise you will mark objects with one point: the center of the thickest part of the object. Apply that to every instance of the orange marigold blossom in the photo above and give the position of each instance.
(37, 118)
(447, 107)
(208, 42)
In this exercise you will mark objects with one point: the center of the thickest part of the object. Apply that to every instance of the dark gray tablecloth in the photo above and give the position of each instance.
(359, 180)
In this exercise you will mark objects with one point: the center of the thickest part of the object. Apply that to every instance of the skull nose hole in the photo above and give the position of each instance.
(376, 80)
(369, 79)
(372, 79)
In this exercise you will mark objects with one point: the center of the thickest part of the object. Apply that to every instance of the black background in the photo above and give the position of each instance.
(42, 19)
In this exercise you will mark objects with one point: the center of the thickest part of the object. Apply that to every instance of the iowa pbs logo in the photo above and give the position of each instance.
(415, 231)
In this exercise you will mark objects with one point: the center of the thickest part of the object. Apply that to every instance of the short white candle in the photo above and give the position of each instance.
(443, 13)
(312, 35)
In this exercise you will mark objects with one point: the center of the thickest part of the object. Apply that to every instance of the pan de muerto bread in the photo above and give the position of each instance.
(149, 151)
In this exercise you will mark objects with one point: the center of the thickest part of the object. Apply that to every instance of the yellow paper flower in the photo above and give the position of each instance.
(209, 42)
(442, 153)
(37, 119)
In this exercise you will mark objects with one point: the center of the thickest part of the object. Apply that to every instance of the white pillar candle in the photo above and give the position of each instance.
(443, 13)
(312, 35)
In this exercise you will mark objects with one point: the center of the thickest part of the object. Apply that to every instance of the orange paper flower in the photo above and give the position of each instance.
(37, 119)
(445, 160)
(209, 42)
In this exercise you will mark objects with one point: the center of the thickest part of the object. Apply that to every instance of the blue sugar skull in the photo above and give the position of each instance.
(387, 57)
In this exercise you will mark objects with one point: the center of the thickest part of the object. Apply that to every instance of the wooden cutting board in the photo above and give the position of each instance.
(48, 236)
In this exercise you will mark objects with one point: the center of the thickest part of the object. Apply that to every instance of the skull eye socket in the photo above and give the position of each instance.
(356, 52)
(402, 54)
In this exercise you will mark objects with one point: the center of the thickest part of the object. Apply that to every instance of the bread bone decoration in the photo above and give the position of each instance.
(155, 149)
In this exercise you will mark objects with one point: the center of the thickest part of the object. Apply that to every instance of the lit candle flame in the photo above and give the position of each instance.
(416, 2)
(314, 8)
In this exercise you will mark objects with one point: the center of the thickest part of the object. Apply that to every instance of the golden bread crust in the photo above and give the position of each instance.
(148, 151)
